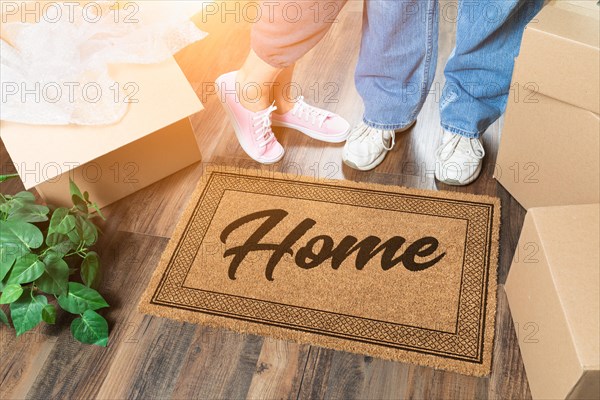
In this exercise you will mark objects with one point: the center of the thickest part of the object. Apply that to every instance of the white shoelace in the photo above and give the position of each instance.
(309, 113)
(470, 147)
(262, 120)
(374, 134)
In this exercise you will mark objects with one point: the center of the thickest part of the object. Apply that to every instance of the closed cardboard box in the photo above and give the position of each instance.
(553, 290)
(153, 140)
(549, 149)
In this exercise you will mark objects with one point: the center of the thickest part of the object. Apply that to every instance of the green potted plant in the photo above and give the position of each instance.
(46, 254)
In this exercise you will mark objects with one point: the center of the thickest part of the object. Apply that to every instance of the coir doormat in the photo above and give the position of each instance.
(401, 274)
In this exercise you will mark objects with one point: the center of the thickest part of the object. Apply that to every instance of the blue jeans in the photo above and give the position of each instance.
(398, 58)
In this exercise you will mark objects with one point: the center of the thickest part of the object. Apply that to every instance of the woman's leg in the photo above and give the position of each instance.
(283, 90)
(285, 31)
(255, 83)
(259, 85)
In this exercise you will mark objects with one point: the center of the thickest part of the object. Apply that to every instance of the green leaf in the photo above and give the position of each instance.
(91, 328)
(27, 269)
(78, 199)
(90, 232)
(89, 268)
(12, 205)
(26, 312)
(80, 298)
(22, 234)
(8, 255)
(29, 213)
(75, 189)
(49, 314)
(55, 278)
(76, 235)
(61, 221)
(95, 207)
(11, 293)
(80, 204)
(85, 232)
(55, 238)
(58, 243)
(26, 196)
(5, 207)
(3, 318)
(4, 178)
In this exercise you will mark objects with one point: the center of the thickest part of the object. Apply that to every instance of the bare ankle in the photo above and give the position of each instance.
(284, 105)
(251, 94)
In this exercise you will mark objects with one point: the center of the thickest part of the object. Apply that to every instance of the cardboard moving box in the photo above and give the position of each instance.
(553, 289)
(550, 144)
(153, 140)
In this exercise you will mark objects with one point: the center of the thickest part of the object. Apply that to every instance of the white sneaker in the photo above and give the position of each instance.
(367, 147)
(458, 159)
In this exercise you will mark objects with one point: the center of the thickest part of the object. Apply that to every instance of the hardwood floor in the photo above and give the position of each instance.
(150, 357)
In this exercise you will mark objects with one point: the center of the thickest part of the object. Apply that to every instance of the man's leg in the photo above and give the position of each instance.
(478, 76)
(395, 71)
(479, 72)
(397, 61)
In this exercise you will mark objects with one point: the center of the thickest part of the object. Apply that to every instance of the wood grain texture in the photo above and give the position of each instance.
(23, 359)
(219, 365)
(279, 370)
(150, 357)
(508, 379)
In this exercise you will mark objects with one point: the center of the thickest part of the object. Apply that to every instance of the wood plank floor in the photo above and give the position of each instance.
(154, 358)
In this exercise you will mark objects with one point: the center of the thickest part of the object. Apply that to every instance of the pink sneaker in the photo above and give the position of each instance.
(253, 130)
(314, 122)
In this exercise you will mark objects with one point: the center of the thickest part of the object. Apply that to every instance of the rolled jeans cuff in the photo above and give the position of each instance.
(461, 132)
(386, 127)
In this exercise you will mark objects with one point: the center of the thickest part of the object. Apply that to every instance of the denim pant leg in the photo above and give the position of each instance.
(397, 61)
(479, 71)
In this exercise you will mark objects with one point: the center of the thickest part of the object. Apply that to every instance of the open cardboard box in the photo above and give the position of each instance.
(550, 144)
(153, 140)
(553, 290)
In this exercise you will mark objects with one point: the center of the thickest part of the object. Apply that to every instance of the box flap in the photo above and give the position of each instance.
(581, 6)
(560, 55)
(41, 153)
(570, 238)
(572, 20)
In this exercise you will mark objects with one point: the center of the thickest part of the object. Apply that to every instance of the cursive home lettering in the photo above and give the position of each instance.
(321, 248)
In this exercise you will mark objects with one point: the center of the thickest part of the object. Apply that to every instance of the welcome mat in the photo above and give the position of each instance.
(390, 272)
